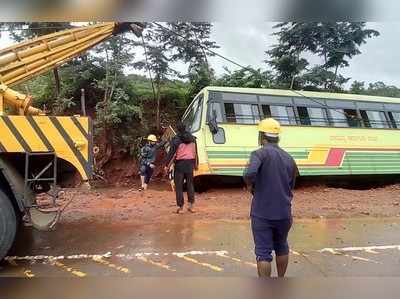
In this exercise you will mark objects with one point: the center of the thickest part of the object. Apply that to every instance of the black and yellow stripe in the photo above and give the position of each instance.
(2, 148)
(70, 138)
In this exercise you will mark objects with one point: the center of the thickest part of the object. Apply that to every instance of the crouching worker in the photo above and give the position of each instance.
(183, 153)
(148, 155)
(271, 176)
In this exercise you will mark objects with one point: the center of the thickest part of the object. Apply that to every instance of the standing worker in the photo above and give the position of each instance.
(271, 177)
(147, 158)
(183, 153)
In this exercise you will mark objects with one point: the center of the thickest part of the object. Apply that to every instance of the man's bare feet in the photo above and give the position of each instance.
(179, 210)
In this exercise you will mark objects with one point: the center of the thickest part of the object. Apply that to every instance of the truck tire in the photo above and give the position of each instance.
(8, 225)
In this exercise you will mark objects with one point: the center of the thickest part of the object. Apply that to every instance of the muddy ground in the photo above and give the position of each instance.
(128, 206)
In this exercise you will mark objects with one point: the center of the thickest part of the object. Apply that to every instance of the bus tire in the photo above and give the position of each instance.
(8, 224)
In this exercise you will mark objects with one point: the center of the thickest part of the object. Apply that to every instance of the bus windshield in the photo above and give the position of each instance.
(192, 116)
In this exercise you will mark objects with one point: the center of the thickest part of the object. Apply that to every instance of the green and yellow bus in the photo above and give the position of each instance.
(328, 134)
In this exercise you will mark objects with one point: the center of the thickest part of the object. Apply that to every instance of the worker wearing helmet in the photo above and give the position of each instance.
(271, 176)
(146, 160)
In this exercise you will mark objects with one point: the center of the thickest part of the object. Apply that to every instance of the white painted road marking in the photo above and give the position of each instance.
(369, 249)
(109, 255)
(207, 265)
(154, 263)
(111, 265)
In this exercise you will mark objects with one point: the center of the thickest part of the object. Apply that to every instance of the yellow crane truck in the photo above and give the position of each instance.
(39, 152)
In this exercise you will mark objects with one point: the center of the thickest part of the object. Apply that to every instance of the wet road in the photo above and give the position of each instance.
(320, 248)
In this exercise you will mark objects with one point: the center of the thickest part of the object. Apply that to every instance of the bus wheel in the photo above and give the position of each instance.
(8, 224)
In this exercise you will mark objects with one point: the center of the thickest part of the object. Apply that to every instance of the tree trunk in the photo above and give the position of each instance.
(158, 121)
(57, 82)
(334, 77)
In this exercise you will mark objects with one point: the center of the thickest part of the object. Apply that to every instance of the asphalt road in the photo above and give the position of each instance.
(319, 248)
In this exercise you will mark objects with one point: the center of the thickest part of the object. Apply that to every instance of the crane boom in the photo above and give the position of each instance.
(26, 60)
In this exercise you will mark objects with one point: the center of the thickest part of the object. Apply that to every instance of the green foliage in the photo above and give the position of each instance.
(318, 78)
(376, 89)
(172, 42)
(200, 76)
(334, 42)
(246, 78)
(357, 87)
(43, 89)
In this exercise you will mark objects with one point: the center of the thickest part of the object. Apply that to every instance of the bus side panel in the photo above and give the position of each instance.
(335, 151)
(231, 157)
(317, 150)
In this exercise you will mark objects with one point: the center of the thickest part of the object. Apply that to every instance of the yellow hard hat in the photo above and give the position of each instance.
(152, 138)
(270, 127)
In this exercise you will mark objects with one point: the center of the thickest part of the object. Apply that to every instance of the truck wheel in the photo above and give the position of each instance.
(8, 225)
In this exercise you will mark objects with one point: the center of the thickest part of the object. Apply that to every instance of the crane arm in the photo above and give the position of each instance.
(26, 60)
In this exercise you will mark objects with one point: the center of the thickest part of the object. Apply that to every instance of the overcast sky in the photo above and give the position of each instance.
(246, 43)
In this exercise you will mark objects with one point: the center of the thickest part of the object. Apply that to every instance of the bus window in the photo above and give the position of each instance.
(352, 118)
(317, 116)
(215, 108)
(232, 97)
(230, 113)
(338, 118)
(395, 119)
(192, 118)
(283, 114)
(256, 113)
(304, 117)
(242, 113)
(312, 116)
(374, 119)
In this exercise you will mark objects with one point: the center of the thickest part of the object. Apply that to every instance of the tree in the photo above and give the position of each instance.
(318, 78)
(189, 42)
(375, 89)
(200, 76)
(335, 42)
(246, 78)
(172, 42)
(28, 30)
(357, 87)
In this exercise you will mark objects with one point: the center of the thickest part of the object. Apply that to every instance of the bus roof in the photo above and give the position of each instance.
(300, 93)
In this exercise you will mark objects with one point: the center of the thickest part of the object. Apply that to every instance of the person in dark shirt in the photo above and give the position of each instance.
(271, 176)
(183, 153)
(146, 160)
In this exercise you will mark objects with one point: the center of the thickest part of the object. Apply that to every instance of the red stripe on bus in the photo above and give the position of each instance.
(335, 157)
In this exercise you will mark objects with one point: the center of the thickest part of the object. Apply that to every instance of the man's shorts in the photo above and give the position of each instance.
(270, 235)
(146, 171)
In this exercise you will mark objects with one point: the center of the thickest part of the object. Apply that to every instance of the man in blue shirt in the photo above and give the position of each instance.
(271, 177)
